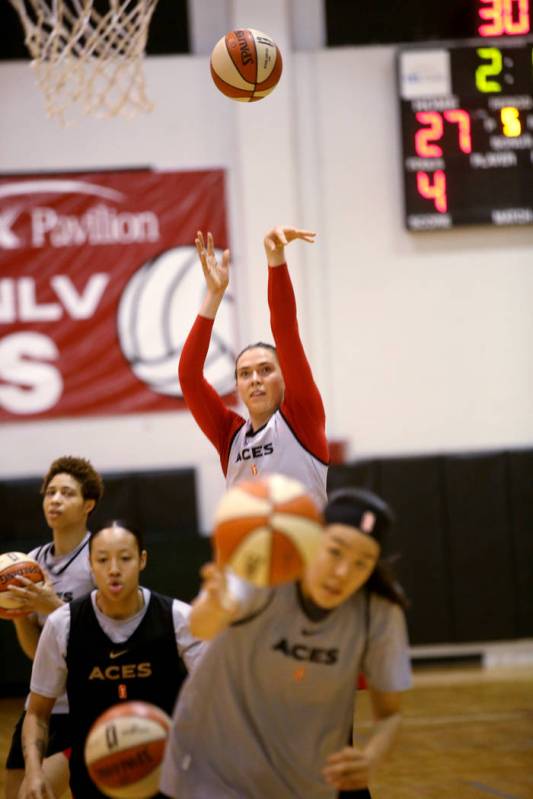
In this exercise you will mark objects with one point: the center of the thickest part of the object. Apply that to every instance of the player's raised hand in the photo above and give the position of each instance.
(277, 239)
(216, 273)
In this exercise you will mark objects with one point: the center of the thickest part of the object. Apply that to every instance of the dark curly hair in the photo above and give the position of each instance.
(82, 470)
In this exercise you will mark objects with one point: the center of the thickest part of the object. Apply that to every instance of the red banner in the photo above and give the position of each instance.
(99, 283)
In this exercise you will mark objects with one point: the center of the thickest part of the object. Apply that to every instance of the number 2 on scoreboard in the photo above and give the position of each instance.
(433, 187)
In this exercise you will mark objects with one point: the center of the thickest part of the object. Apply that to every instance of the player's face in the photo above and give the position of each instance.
(344, 562)
(116, 564)
(63, 503)
(260, 382)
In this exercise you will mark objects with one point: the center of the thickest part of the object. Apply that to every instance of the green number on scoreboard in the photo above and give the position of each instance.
(486, 72)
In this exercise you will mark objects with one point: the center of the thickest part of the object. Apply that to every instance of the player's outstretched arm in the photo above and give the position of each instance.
(216, 274)
(352, 767)
(302, 407)
(213, 609)
(34, 743)
(277, 239)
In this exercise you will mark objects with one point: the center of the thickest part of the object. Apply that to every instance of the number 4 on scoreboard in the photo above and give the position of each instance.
(433, 187)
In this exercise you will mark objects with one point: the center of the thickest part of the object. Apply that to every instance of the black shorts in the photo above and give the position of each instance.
(58, 739)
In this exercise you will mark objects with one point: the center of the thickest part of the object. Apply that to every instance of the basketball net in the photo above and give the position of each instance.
(88, 60)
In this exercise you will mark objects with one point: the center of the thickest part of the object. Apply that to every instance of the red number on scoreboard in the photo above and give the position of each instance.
(462, 119)
(425, 137)
(504, 17)
(433, 187)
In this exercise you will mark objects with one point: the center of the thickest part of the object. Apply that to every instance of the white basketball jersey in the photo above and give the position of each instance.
(275, 448)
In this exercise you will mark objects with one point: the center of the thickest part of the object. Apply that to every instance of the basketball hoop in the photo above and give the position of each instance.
(88, 54)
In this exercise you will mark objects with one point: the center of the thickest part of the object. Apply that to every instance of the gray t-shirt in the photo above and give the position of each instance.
(274, 696)
(71, 578)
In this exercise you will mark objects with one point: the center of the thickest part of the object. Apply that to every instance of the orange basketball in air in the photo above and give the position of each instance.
(266, 530)
(124, 750)
(246, 65)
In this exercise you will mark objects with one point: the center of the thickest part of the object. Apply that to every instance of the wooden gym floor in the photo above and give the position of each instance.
(467, 734)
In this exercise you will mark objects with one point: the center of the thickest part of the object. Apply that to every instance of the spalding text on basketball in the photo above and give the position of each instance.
(246, 56)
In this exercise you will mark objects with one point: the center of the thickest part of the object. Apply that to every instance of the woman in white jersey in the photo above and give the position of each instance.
(286, 426)
(269, 710)
(121, 642)
(71, 489)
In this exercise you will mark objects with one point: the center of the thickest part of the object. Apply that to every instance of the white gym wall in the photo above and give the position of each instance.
(420, 343)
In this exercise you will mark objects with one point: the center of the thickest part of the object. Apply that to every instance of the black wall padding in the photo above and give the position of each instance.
(154, 501)
(21, 518)
(360, 473)
(15, 667)
(464, 533)
(481, 568)
(174, 564)
(414, 489)
(520, 473)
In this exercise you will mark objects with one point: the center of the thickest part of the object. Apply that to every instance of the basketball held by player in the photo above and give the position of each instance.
(71, 489)
(280, 674)
(284, 430)
(121, 642)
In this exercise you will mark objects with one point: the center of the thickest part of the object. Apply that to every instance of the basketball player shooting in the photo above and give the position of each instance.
(285, 429)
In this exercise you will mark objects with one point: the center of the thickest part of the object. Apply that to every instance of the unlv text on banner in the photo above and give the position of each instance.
(98, 285)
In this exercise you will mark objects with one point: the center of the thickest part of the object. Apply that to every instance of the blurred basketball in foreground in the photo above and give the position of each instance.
(124, 749)
(246, 65)
(12, 566)
(266, 530)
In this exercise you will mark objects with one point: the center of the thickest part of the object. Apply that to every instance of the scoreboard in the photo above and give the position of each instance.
(467, 122)
(467, 133)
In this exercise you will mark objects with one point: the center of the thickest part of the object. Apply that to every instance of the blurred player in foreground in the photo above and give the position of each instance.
(285, 429)
(121, 642)
(269, 710)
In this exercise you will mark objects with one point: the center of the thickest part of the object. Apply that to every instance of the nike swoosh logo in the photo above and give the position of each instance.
(310, 632)
(114, 655)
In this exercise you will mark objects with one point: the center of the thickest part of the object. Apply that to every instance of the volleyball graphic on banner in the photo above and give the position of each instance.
(155, 314)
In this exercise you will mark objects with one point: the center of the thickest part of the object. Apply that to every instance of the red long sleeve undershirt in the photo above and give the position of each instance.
(302, 404)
